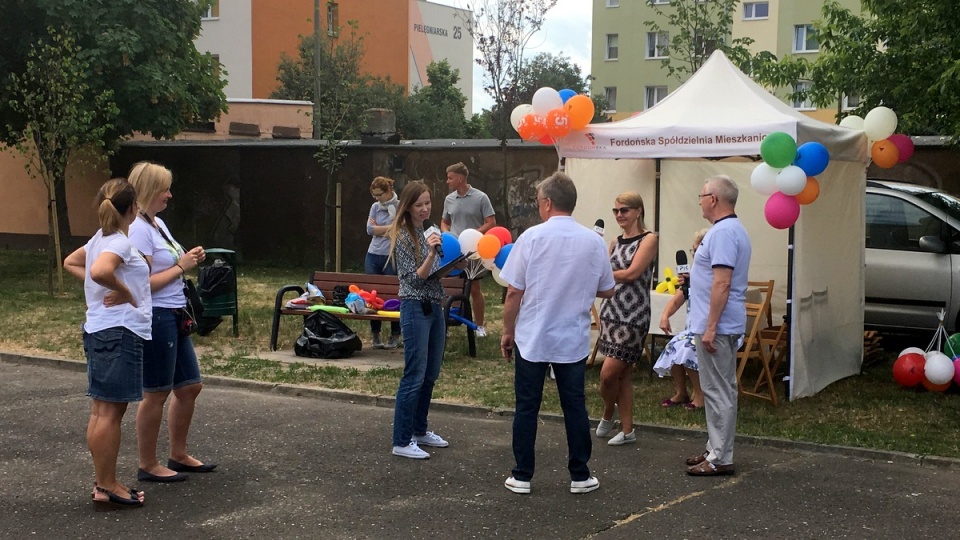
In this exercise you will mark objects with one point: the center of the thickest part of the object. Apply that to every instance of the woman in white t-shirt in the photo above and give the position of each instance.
(170, 364)
(116, 284)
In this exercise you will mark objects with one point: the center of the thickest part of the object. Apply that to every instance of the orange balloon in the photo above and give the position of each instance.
(885, 154)
(558, 123)
(532, 127)
(488, 247)
(936, 387)
(810, 192)
(580, 108)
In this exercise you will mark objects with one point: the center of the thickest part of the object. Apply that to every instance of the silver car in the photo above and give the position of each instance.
(912, 257)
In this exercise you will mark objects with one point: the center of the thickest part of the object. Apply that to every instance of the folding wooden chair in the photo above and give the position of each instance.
(757, 315)
(773, 341)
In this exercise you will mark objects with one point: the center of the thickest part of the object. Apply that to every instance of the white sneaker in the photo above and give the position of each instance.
(517, 486)
(622, 439)
(431, 439)
(604, 427)
(480, 332)
(585, 486)
(410, 451)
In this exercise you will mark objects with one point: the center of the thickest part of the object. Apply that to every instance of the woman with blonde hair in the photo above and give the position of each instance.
(382, 213)
(170, 363)
(679, 356)
(421, 320)
(625, 318)
(116, 285)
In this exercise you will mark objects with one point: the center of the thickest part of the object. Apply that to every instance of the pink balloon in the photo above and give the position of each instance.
(781, 210)
(956, 370)
(904, 144)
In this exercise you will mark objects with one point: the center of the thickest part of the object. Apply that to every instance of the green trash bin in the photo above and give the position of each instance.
(217, 286)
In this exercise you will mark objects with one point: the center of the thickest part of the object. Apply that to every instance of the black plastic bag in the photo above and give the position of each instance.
(215, 280)
(325, 336)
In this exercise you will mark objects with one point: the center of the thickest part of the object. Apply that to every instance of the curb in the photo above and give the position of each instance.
(310, 392)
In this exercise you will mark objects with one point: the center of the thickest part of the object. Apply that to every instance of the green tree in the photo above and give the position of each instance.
(140, 53)
(436, 110)
(697, 28)
(345, 93)
(58, 114)
(557, 72)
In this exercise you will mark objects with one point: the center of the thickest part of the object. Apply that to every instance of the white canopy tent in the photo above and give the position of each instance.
(721, 113)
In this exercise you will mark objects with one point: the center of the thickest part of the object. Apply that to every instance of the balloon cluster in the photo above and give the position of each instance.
(934, 370)
(786, 176)
(491, 249)
(552, 115)
(886, 148)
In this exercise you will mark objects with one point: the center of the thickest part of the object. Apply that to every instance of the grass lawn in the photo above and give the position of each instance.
(868, 410)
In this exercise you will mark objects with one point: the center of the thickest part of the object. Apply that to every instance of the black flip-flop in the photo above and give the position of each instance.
(181, 468)
(113, 498)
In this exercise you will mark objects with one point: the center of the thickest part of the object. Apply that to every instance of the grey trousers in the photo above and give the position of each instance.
(718, 379)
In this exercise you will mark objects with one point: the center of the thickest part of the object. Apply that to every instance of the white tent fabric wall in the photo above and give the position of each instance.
(599, 181)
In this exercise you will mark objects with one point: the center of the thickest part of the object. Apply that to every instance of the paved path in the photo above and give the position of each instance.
(301, 467)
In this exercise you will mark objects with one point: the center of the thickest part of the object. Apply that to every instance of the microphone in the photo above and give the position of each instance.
(430, 229)
(598, 227)
(684, 268)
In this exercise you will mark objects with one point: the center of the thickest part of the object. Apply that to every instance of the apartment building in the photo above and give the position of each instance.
(401, 37)
(627, 57)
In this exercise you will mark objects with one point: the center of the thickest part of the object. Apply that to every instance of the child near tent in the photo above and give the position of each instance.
(679, 357)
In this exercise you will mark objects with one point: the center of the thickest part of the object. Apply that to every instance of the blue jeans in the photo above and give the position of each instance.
(528, 386)
(424, 337)
(114, 365)
(378, 264)
(169, 360)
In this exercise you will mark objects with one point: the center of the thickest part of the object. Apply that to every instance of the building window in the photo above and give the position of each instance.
(613, 3)
(805, 39)
(756, 10)
(657, 44)
(613, 46)
(610, 95)
(654, 95)
(659, 1)
(212, 12)
(333, 19)
(802, 102)
(851, 101)
(704, 47)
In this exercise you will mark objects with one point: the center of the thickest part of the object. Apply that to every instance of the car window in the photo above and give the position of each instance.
(893, 223)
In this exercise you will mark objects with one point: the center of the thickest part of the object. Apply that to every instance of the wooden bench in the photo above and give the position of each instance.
(456, 291)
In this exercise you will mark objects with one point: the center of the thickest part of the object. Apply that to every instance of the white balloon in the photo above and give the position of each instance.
(764, 179)
(938, 368)
(496, 277)
(791, 180)
(545, 100)
(853, 122)
(909, 350)
(489, 264)
(469, 239)
(880, 123)
(518, 113)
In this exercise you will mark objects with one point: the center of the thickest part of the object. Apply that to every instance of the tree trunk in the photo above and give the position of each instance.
(67, 242)
(329, 211)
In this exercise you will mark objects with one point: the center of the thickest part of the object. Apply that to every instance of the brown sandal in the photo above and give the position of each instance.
(706, 468)
(696, 460)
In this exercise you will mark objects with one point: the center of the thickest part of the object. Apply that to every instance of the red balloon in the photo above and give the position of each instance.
(503, 234)
(904, 144)
(908, 370)
(547, 139)
(936, 387)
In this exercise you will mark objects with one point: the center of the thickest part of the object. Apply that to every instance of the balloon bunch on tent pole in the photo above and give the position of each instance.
(485, 251)
(786, 176)
(552, 115)
(886, 148)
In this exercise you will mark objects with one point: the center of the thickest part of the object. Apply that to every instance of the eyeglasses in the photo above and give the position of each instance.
(540, 199)
(623, 209)
(377, 195)
(702, 195)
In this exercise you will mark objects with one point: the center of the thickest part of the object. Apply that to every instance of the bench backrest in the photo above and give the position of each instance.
(387, 287)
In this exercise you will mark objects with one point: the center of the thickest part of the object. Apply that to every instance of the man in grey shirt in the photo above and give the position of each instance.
(466, 207)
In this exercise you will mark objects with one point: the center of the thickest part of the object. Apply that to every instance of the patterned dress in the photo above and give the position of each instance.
(625, 318)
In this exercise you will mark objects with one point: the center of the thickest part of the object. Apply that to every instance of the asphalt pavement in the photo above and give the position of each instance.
(304, 463)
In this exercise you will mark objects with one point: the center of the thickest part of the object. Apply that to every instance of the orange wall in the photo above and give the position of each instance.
(278, 24)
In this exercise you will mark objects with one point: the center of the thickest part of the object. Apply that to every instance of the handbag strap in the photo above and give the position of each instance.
(176, 247)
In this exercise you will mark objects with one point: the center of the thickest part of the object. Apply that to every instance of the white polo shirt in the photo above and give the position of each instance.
(560, 266)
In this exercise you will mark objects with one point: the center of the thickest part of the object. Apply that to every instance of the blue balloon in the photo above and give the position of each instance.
(566, 94)
(451, 247)
(502, 255)
(812, 157)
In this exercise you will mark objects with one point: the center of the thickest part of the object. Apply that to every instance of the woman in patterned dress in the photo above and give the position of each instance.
(625, 318)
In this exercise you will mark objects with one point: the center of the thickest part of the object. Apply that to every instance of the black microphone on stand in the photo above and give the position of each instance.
(598, 227)
(431, 229)
(684, 268)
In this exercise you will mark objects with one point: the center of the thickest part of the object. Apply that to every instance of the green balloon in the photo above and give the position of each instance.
(778, 149)
(952, 349)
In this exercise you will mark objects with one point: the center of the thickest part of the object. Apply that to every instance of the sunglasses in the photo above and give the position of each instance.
(623, 210)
